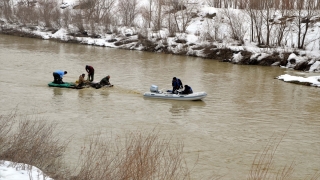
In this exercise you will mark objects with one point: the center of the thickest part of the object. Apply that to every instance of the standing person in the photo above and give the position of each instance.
(58, 75)
(180, 83)
(90, 71)
(176, 84)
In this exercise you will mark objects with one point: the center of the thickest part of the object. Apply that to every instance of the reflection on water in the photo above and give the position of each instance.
(104, 94)
(177, 108)
(57, 91)
(244, 107)
(181, 108)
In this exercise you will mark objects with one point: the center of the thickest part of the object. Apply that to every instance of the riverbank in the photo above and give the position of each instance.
(132, 41)
(294, 60)
(199, 29)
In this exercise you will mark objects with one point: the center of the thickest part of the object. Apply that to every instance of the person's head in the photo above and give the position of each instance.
(186, 86)
(108, 77)
(83, 75)
(65, 72)
(86, 66)
(174, 78)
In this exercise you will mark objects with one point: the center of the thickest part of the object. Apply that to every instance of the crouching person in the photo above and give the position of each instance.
(105, 81)
(81, 81)
(187, 90)
(58, 75)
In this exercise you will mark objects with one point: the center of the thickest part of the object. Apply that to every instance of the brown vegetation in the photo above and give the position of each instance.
(263, 164)
(139, 155)
(32, 142)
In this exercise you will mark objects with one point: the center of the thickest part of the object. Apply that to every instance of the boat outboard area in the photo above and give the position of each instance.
(159, 94)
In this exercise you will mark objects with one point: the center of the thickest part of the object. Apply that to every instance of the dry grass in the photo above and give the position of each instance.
(32, 142)
(264, 161)
(262, 167)
(6, 123)
(139, 155)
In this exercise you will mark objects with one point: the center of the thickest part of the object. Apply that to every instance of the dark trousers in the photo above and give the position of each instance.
(175, 90)
(91, 76)
(57, 79)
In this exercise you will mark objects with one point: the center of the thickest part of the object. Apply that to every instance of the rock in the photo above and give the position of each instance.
(268, 61)
(302, 66)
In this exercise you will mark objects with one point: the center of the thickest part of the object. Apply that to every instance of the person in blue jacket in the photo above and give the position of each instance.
(58, 76)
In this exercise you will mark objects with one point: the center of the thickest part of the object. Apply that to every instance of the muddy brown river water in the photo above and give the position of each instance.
(245, 105)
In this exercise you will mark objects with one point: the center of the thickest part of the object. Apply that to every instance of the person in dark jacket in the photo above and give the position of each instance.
(187, 90)
(105, 81)
(90, 71)
(176, 84)
(58, 75)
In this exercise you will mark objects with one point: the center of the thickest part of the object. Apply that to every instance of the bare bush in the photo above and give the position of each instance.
(137, 155)
(212, 30)
(236, 24)
(56, 18)
(128, 10)
(146, 16)
(6, 123)
(6, 9)
(171, 26)
(26, 14)
(263, 162)
(33, 142)
(46, 10)
(78, 21)
(66, 18)
(181, 12)
(140, 155)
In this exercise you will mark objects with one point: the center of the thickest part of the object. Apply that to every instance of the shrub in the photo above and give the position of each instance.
(32, 142)
(140, 155)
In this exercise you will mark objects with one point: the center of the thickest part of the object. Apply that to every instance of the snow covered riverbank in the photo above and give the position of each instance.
(199, 30)
(308, 81)
(19, 171)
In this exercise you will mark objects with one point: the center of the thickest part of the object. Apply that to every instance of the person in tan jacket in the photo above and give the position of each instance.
(81, 80)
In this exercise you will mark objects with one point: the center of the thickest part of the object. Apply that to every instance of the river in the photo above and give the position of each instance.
(245, 105)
